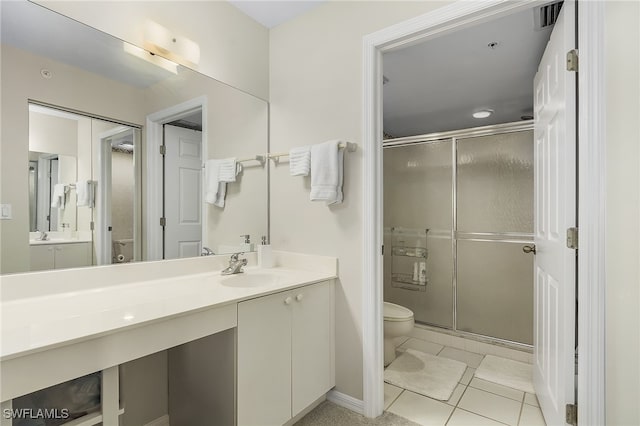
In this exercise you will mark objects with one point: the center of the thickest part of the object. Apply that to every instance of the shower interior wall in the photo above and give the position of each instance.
(474, 191)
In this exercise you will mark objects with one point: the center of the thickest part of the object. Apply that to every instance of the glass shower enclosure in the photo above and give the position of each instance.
(458, 208)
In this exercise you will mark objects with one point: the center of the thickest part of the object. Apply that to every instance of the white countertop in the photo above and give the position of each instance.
(57, 241)
(32, 323)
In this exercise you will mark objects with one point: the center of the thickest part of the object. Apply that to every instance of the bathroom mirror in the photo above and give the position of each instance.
(51, 61)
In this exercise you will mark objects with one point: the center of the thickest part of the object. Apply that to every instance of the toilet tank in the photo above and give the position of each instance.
(122, 250)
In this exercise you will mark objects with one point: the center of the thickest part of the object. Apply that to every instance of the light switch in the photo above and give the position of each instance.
(5, 211)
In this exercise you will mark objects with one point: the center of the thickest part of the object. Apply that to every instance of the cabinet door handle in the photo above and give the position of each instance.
(299, 297)
(58, 248)
(288, 300)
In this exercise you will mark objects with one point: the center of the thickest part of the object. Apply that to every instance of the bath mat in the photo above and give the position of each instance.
(507, 372)
(425, 374)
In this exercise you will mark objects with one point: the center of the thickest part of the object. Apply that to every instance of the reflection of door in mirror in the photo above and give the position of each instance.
(82, 178)
(115, 228)
(183, 188)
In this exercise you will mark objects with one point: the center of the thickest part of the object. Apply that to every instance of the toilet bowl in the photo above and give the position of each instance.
(398, 321)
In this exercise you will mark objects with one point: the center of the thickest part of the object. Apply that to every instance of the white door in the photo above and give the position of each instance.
(182, 192)
(555, 211)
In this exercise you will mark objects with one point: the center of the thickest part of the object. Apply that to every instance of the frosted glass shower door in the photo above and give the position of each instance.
(494, 277)
(418, 196)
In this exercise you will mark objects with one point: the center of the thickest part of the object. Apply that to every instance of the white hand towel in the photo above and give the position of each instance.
(300, 161)
(217, 174)
(58, 196)
(327, 172)
(84, 193)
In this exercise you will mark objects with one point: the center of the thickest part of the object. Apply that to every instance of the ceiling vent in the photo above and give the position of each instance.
(546, 16)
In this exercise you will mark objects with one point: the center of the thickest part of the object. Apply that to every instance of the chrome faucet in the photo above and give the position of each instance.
(206, 251)
(235, 265)
(43, 236)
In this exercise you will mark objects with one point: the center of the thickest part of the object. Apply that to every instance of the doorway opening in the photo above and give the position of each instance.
(176, 146)
(435, 24)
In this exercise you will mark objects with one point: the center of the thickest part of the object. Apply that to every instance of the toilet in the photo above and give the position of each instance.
(398, 321)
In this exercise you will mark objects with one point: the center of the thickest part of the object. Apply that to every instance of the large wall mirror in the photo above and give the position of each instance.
(109, 153)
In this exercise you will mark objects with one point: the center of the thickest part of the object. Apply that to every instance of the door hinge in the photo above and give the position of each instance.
(163, 221)
(572, 60)
(92, 225)
(571, 414)
(383, 249)
(572, 238)
(163, 149)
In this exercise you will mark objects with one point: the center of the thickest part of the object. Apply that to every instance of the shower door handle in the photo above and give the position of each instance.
(529, 249)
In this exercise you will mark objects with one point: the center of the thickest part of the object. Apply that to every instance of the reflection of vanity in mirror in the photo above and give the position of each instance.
(93, 111)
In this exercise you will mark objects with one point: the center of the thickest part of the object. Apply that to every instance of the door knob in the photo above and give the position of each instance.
(529, 249)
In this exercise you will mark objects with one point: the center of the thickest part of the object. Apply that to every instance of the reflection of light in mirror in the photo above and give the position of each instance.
(151, 58)
(159, 40)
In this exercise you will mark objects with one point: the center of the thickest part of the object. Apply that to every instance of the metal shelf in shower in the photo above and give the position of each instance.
(409, 255)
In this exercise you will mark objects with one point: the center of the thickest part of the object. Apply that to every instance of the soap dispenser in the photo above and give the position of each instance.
(247, 245)
(265, 255)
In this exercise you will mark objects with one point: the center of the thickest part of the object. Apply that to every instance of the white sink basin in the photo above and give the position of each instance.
(254, 279)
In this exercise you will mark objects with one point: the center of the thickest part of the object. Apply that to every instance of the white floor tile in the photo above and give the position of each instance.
(531, 399)
(467, 376)
(456, 395)
(495, 407)
(465, 418)
(400, 340)
(420, 409)
(469, 358)
(422, 346)
(390, 394)
(531, 416)
(507, 392)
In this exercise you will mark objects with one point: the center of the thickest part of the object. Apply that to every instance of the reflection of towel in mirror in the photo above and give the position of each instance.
(58, 196)
(217, 173)
(84, 193)
(300, 161)
(327, 172)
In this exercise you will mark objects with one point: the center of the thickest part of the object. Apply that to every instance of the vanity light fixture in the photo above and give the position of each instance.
(483, 113)
(160, 41)
(172, 67)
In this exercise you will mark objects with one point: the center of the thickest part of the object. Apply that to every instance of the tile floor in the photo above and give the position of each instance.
(474, 402)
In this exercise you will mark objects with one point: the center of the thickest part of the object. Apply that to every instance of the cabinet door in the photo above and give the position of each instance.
(312, 344)
(264, 360)
(71, 255)
(41, 257)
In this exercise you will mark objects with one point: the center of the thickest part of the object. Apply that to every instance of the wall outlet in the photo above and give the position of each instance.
(5, 211)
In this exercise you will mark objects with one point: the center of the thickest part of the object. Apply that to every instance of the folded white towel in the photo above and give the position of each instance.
(84, 193)
(327, 172)
(217, 173)
(300, 161)
(58, 196)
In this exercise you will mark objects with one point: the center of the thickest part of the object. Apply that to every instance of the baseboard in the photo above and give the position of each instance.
(346, 401)
(160, 421)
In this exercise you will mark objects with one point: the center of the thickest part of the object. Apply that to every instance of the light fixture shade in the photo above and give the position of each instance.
(483, 113)
(159, 40)
(172, 67)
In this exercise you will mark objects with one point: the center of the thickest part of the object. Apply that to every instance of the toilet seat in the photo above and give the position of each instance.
(393, 312)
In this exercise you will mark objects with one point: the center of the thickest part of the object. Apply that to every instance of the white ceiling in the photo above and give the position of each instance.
(436, 85)
(272, 13)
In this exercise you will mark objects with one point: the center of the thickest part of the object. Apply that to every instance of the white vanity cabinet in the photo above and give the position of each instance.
(60, 256)
(285, 353)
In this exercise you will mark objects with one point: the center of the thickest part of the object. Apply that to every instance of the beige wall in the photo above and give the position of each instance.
(622, 208)
(233, 47)
(315, 94)
(71, 88)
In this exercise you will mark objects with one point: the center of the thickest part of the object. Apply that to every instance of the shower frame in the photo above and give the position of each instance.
(507, 237)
